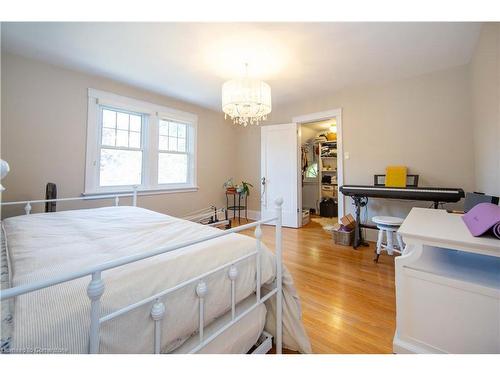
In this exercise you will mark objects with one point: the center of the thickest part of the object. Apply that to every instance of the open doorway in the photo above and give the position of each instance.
(321, 167)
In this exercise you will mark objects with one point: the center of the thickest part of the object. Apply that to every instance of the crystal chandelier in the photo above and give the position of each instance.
(246, 101)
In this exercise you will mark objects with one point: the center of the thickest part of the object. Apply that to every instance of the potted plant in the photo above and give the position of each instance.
(245, 187)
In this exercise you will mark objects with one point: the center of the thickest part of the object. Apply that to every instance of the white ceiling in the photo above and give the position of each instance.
(190, 61)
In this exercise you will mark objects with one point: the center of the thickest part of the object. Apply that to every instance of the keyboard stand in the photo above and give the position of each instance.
(360, 202)
(358, 231)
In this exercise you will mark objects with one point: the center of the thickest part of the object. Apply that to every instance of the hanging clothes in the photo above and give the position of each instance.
(305, 162)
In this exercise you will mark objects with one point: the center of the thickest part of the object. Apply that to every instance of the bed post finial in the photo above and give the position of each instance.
(279, 276)
(278, 202)
(233, 274)
(134, 196)
(95, 290)
(201, 292)
(258, 236)
(157, 313)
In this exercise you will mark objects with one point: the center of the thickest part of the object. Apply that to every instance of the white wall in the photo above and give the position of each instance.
(424, 122)
(442, 125)
(44, 120)
(485, 89)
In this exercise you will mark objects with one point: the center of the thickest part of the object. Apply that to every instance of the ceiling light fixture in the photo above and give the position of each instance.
(246, 100)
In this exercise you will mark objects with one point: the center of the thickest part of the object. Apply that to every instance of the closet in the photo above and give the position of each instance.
(319, 169)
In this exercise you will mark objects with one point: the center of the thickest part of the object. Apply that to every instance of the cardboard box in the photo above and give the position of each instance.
(348, 221)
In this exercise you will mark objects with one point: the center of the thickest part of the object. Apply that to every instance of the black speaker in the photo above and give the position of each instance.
(50, 193)
(472, 199)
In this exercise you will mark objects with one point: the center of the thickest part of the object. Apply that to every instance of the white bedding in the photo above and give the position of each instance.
(239, 338)
(57, 318)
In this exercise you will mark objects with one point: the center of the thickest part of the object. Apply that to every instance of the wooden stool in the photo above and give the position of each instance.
(388, 225)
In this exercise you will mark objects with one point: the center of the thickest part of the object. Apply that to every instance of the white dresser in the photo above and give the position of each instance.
(447, 287)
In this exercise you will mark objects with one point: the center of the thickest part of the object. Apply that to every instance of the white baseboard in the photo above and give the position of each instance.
(371, 234)
(409, 346)
(252, 214)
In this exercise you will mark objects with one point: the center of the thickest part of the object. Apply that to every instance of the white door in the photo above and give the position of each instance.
(279, 171)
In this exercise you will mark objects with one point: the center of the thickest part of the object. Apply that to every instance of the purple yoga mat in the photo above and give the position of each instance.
(483, 217)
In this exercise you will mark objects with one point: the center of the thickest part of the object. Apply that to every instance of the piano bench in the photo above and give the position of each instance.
(389, 226)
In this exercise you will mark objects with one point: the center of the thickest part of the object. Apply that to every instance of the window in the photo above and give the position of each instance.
(133, 143)
(173, 157)
(121, 150)
(312, 171)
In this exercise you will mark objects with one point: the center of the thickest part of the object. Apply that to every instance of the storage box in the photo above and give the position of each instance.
(348, 221)
(342, 235)
(306, 217)
(327, 191)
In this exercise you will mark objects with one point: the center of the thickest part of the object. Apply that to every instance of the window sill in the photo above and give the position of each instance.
(144, 192)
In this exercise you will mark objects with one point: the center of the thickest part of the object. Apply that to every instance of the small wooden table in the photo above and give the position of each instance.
(237, 207)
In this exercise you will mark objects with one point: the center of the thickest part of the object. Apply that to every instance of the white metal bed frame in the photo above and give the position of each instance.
(96, 285)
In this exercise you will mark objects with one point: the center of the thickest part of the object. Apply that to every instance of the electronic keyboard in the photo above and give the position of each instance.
(431, 194)
(361, 193)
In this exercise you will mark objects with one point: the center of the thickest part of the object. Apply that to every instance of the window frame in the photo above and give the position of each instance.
(151, 115)
(189, 146)
(142, 147)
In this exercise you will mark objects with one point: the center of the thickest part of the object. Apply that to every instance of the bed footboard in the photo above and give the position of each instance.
(97, 285)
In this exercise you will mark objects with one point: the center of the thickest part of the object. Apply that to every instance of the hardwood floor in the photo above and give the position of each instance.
(348, 300)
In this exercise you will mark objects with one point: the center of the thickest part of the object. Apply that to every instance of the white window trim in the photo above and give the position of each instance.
(154, 112)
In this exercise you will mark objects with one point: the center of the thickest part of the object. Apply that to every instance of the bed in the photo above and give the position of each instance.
(124, 279)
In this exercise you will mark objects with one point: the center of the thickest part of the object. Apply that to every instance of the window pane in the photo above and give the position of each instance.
(108, 137)
(135, 123)
(163, 127)
(108, 118)
(120, 167)
(134, 140)
(122, 138)
(181, 144)
(181, 130)
(172, 129)
(172, 144)
(122, 120)
(312, 170)
(163, 143)
(172, 168)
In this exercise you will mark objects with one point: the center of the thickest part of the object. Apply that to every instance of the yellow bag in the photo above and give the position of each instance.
(331, 136)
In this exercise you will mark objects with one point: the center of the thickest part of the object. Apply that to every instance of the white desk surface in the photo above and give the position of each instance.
(440, 228)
